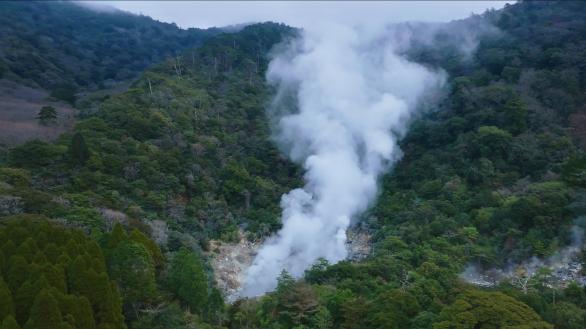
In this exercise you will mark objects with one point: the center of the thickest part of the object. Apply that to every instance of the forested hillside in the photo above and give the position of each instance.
(109, 226)
(62, 47)
(183, 156)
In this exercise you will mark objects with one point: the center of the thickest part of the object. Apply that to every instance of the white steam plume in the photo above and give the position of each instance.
(344, 98)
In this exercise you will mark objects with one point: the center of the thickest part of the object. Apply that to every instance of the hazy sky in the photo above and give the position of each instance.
(301, 13)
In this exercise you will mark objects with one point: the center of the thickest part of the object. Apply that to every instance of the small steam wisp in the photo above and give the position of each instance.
(344, 97)
(565, 267)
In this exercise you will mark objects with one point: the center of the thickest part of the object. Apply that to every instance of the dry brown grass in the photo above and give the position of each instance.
(19, 106)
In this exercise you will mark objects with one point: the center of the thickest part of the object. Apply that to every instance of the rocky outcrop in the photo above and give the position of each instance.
(358, 244)
(230, 260)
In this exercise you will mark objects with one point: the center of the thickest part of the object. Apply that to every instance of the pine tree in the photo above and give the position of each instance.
(93, 249)
(28, 249)
(188, 280)
(84, 318)
(150, 245)
(76, 310)
(72, 248)
(55, 276)
(87, 281)
(25, 297)
(285, 283)
(17, 272)
(76, 276)
(116, 306)
(47, 115)
(6, 303)
(39, 258)
(9, 323)
(101, 297)
(117, 236)
(45, 313)
(78, 150)
(215, 307)
(52, 253)
(3, 264)
(131, 265)
(8, 249)
(41, 238)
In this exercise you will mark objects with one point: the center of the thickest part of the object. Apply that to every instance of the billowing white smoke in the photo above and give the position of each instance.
(352, 96)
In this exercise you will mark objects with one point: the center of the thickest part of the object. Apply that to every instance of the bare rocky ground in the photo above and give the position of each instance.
(19, 106)
(563, 270)
(230, 260)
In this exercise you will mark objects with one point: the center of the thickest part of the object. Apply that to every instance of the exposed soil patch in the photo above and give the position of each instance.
(230, 260)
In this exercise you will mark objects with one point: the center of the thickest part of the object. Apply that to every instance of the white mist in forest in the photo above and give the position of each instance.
(344, 97)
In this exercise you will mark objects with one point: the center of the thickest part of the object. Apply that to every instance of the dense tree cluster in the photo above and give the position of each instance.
(51, 277)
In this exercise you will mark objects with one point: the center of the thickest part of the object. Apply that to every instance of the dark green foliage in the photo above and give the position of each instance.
(64, 92)
(188, 281)
(393, 309)
(48, 287)
(6, 302)
(36, 153)
(78, 150)
(568, 316)
(16, 272)
(152, 248)
(63, 46)
(487, 310)
(131, 265)
(574, 171)
(215, 307)
(9, 323)
(45, 313)
(47, 115)
(296, 305)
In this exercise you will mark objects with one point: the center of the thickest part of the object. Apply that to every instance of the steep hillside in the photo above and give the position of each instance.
(184, 155)
(187, 143)
(61, 46)
(63, 55)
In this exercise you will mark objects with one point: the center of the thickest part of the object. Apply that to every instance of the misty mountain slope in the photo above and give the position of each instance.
(61, 46)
